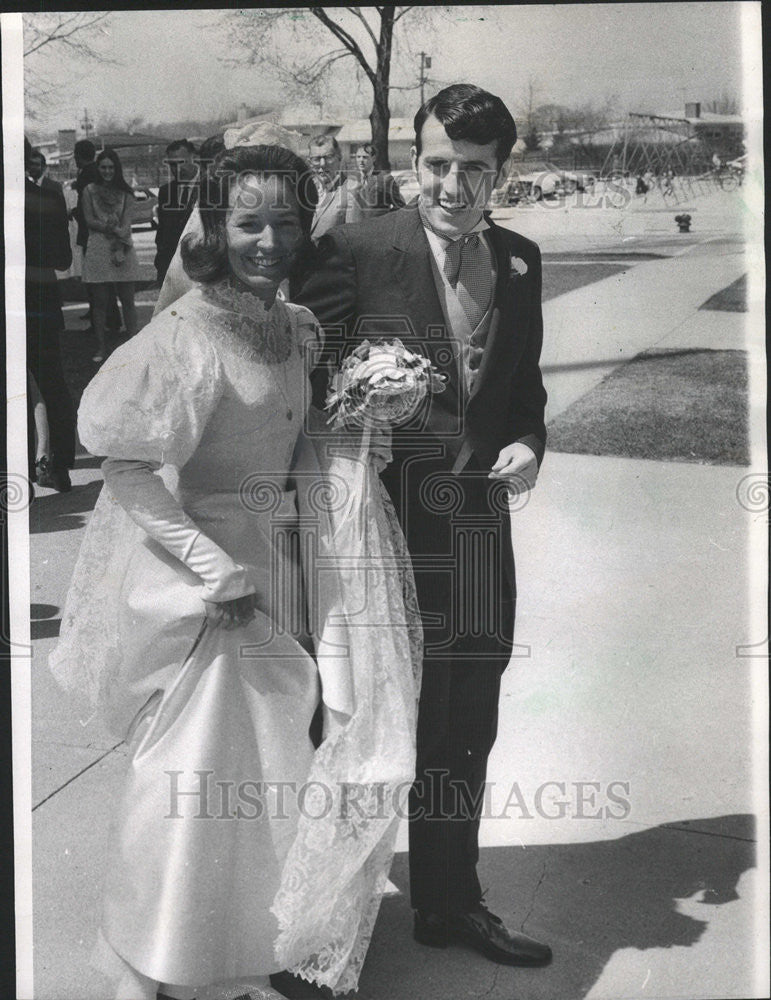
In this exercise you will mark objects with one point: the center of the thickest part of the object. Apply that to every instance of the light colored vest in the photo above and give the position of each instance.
(463, 336)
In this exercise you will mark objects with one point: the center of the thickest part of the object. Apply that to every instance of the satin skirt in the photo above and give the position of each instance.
(219, 753)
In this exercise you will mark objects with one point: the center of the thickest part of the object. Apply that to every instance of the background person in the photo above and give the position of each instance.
(336, 202)
(175, 202)
(36, 171)
(47, 248)
(377, 192)
(85, 161)
(210, 149)
(39, 440)
(110, 257)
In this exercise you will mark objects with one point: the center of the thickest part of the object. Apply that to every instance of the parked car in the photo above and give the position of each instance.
(528, 181)
(577, 180)
(145, 209)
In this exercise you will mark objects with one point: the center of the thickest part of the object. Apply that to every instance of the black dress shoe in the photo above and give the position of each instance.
(483, 931)
(52, 478)
(44, 474)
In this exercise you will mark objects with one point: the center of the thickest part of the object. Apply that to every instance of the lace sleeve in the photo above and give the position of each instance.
(149, 403)
(153, 398)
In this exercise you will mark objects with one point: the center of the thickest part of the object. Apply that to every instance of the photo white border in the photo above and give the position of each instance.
(18, 522)
(18, 533)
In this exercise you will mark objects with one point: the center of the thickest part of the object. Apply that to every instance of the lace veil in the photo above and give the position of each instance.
(367, 613)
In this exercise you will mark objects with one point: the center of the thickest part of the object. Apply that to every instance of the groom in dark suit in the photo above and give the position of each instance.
(451, 284)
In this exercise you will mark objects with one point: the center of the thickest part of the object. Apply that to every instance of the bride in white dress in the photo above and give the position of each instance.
(216, 610)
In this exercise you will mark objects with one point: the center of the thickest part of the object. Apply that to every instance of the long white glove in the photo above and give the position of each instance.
(147, 501)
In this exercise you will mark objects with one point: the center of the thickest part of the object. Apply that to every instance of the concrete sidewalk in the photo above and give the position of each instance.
(561, 226)
(633, 602)
(594, 328)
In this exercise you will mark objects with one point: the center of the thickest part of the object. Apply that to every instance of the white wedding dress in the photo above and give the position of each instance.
(205, 886)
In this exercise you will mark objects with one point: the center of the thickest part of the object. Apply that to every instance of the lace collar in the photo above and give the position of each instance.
(262, 334)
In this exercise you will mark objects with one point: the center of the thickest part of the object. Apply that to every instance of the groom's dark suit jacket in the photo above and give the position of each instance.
(373, 278)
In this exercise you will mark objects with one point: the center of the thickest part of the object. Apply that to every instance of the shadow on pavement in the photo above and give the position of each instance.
(63, 511)
(86, 461)
(587, 900)
(44, 621)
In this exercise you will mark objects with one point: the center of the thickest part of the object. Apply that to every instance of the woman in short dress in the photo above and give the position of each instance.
(110, 257)
(209, 619)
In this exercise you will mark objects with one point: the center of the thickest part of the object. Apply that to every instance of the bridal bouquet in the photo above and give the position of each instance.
(380, 385)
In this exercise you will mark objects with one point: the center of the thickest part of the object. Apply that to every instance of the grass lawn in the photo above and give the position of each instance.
(733, 298)
(557, 280)
(676, 405)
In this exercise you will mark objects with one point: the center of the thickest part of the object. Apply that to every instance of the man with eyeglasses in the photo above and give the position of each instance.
(336, 203)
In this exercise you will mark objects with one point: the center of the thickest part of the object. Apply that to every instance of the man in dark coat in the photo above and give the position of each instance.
(85, 161)
(377, 192)
(451, 284)
(47, 249)
(175, 202)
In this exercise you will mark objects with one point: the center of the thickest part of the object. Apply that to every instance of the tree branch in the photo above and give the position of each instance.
(403, 11)
(307, 76)
(348, 41)
(58, 34)
(357, 13)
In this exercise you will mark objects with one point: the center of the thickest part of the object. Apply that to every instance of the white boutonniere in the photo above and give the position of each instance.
(518, 266)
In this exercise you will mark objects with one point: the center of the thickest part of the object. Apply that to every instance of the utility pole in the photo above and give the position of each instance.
(87, 125)
(425, 63)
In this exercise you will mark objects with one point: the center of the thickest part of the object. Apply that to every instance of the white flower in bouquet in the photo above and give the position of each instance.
(381, 384)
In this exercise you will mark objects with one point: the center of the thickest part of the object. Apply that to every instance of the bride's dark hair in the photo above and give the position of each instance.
(205, 257)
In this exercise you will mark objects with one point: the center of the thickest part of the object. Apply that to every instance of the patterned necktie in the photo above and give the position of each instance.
(452, 256)
(467, 268)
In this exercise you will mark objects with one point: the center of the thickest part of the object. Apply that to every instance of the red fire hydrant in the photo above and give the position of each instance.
(683, 222)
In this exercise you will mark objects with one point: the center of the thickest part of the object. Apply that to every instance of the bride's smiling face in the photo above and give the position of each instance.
(263, 233)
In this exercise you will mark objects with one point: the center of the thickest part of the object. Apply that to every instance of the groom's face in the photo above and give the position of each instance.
(456, 178)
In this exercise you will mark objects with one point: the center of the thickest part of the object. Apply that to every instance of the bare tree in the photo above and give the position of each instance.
(295, 43)
(531, 138)
(50, 36)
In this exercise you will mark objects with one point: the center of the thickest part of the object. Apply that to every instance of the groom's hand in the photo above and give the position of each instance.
(517, 466)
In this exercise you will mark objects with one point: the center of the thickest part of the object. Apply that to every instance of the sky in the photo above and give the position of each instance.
(171, 64)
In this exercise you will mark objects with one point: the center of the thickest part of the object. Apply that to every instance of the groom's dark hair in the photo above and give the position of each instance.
(468, 112)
